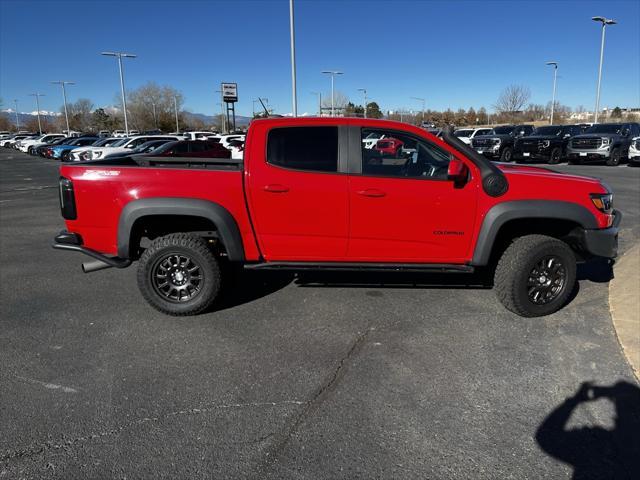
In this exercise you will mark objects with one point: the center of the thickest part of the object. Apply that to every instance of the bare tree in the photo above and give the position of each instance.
(340, 101)
(512, 100)
(151, 106)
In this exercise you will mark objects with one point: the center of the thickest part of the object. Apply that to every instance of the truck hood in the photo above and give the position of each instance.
(596, 135)
(541, 137)
(522, 171)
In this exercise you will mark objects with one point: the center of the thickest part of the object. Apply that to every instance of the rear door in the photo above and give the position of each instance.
(403, 208)
(298, 194)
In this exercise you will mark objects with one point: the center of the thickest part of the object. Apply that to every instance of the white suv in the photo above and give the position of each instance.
(28, 145)
(467, 134)
(634, 151)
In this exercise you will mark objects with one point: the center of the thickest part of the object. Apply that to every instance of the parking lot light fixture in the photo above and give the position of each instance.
(553, 98)
(292, 32)
(333, 73)
(120, 56)
(319, 95)
(175, 107)
(423, 101)
(364, 92)
(38, 95)
(62, 83)
(605, 22)
(15, 102)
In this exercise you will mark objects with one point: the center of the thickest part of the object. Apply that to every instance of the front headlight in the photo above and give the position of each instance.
(603, 201)
(546, 143)
(605, 141)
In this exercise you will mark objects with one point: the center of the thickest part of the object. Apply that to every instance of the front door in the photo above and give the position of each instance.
(403, 207)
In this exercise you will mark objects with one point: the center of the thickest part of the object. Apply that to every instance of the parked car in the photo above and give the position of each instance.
(236, 147)
(389, 146)
(191, 148)
(499, 144)
(84, 153)
(128, 144)
(9, 142)
(370, 141)
(28, 145)
(225, 139)
(119, 134)
(468, 134)
(634, 151)
(200, 135)
(40, 150)
(603, 142)
(63, 150)
(145, 148)
(300, 202)
(547, 144)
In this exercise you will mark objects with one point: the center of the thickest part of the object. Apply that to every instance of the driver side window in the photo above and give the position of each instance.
(389, 153)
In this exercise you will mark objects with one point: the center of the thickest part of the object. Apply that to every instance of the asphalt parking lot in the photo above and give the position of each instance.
(330, 377)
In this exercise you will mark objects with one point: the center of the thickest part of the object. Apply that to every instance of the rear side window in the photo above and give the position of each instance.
(304, 148)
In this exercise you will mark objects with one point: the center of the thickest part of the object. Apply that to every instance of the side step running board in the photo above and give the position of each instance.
(365, 266)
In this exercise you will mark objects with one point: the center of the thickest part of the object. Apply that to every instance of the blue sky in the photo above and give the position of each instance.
(453, 53)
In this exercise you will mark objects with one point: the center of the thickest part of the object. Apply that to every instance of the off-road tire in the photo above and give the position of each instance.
(515, 267)
(507, 155)
(184, 245)
(556, 156)
(614, 158)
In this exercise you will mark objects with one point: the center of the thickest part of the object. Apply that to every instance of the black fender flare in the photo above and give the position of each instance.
(223, 220)
(502, 213)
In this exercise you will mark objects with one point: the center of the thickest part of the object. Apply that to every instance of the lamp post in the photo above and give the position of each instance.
(175, 107)
(155, 117)
(223, 123)
(38, 95)
(294, 93)
(15, 102)
(423, 104)
(364, 92)
(553, 98)
(605, 22)
(64, 97)
(333, 73)
(120, 56)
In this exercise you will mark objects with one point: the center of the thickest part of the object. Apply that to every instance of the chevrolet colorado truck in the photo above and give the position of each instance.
(309, 195)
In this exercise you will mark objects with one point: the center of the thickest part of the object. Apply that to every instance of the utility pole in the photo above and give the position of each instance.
(15, 101)
(294, 92)
(223, 122)
(64, 97)
(38, 95)
(423, 104)
(319, 95)
(364, 92)
(605, 22)
(553, 98)
(155, 118)
(120, 55)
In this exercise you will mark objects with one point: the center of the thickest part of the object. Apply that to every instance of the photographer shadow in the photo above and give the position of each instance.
(596, 452)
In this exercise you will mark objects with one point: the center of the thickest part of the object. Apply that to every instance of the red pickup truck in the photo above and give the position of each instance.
(308, 195)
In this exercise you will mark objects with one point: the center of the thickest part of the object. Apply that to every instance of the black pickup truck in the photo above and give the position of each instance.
(547, 144)
(499, 144)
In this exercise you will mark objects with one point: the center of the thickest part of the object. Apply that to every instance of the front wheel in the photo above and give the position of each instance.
(179, 275)
(507, 155)
(535, 275)
(614, 158)
(556, 156)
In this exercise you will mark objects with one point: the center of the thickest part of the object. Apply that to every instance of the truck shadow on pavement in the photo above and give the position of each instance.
(595, 452)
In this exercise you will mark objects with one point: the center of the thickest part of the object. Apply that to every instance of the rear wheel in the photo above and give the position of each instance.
(535, 275)
(179, 275)
(556, 156)
(614, 158)
(507, 155)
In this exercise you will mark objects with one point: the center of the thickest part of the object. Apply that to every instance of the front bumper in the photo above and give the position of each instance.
(603, 242)
(591, 154)
(539, 155)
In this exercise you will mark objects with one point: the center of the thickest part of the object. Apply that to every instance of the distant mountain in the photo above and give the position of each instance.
(25, 117)
(241, 121)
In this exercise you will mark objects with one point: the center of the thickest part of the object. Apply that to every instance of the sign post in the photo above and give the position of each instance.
(230, 97)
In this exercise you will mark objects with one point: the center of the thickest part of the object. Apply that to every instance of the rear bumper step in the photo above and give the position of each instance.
(364, 266)
(72, 242)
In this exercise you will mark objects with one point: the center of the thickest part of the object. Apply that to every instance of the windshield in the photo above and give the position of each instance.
(503, 130)
(548, 130)
(372, 136)
(605, 128)
(463, 133)
(119, 143)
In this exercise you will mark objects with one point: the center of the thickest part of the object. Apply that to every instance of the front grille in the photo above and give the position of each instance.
(484, 142)
(586, 143)
(530, 145)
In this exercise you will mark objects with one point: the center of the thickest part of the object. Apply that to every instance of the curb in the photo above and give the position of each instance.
(624, 304)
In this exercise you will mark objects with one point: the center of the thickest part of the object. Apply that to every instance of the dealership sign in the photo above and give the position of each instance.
(230, 92)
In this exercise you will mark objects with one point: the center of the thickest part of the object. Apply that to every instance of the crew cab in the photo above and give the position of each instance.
(308, 195)
(547, 144)
(500, 142)
(603, 142)
(468, 134)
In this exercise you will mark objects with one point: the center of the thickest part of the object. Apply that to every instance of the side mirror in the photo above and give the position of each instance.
(458, 172)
